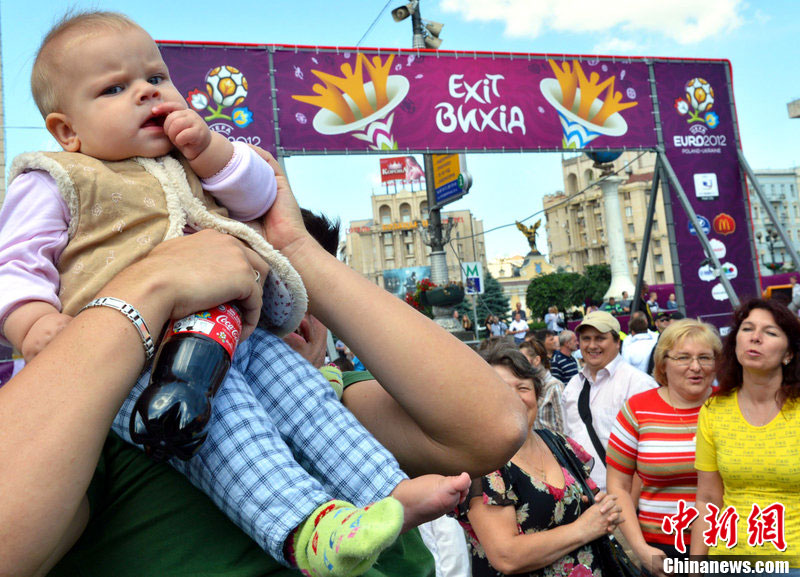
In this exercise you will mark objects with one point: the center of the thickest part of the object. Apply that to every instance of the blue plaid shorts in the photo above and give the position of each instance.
(279, 445)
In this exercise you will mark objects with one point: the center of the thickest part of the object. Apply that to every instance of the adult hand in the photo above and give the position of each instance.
(601, 518)
(180, 280)
(652, 560)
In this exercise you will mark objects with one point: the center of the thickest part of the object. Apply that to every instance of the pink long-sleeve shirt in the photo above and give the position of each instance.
(34, 220)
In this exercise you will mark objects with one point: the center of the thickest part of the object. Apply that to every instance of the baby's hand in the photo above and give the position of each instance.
(42, 332)
(185, 129)
(207, 152)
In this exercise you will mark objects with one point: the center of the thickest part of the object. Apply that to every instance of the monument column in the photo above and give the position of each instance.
(620, 274)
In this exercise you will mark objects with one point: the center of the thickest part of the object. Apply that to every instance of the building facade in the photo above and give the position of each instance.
(514, 273)
(392, 239)
(780, 187)
(576, 228)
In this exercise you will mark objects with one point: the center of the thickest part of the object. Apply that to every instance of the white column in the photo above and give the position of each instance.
(439, 267)
(620, 274)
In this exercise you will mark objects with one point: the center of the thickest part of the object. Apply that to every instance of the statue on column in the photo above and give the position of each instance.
(530, 234)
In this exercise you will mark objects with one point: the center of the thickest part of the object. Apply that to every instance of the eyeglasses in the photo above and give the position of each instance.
(705, 361)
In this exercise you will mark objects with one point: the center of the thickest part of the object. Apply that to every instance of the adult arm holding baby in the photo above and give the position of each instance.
(422, 372)
(48, 453)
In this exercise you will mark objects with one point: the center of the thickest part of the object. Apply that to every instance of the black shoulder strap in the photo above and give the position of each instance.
(567, 459)
(585, 414)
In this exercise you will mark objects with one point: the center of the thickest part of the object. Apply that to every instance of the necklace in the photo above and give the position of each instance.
(748, 409)
(540, 470)
(680, 416)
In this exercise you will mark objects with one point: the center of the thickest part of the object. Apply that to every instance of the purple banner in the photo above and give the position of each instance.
(229, 87)
(363, 101)
(331, 100)
(695, 102)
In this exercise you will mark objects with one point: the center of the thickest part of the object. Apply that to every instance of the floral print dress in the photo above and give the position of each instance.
(539, 507)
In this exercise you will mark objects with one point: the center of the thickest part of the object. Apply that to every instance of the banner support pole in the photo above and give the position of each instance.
(651, 210)
(701, 235)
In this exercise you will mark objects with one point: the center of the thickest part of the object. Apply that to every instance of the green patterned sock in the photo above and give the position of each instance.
(341, 540)
(334, 376)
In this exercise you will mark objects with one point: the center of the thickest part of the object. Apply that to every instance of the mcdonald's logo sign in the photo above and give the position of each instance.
(724, 224)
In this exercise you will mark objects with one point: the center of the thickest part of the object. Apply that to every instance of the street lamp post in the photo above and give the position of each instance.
(427, 37)
(416, 24)
(771, 238)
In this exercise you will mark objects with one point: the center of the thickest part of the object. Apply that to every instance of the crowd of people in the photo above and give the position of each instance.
(539, 446)
(672, 420)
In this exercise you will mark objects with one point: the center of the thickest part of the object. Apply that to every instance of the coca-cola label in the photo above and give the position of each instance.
(222, 323)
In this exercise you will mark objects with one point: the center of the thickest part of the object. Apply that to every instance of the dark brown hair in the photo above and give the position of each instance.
(507, 355)
(538, 350)
(729, 375)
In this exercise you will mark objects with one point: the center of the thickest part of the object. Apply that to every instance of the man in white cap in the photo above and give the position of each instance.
(594, 396)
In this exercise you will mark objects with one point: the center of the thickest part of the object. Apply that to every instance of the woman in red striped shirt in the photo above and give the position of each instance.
(654, 437)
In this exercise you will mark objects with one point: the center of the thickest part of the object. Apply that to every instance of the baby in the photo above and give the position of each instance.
(138, 167)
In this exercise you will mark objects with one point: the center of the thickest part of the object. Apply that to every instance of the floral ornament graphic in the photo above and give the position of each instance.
(697, 103)
(226, 87)
(583, 114)
(348, 104)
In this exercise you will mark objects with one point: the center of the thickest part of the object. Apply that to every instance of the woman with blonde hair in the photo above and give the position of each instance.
(554, 319)
(654, 438)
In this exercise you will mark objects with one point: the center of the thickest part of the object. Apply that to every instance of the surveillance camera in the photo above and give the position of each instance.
(403, 12)
(400, 13)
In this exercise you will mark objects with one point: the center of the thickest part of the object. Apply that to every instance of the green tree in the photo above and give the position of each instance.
(568, 289)
(551, 289)
(593, 284)
(492, 301)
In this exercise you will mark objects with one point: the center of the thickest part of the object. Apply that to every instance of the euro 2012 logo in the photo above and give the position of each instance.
(697, 103)
(226, 87)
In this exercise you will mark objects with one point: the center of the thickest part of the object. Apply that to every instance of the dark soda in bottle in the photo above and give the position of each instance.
(172, 413)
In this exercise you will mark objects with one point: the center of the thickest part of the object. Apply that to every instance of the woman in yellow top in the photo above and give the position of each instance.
(748, 437)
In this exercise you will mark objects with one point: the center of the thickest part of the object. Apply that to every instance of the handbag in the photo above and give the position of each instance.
(614, 562)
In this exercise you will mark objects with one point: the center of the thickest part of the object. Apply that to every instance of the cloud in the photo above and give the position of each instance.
(683, 21)
(617, 46)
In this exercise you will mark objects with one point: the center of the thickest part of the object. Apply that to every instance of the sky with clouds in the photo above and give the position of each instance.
(759, 38)
(683, 21)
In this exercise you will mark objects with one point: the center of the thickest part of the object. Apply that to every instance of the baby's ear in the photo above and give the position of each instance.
(59, 125)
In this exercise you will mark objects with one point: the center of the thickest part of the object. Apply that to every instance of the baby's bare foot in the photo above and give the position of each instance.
(429, 497)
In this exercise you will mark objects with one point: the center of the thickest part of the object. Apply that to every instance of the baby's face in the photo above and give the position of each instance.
(115, 80)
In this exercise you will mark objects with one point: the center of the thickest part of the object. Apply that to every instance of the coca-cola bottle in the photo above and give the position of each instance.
(171, 415)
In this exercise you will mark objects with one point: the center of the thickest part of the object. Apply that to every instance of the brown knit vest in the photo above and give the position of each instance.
(118, 215)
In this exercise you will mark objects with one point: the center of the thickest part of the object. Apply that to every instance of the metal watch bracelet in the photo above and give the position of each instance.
(132, 314)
